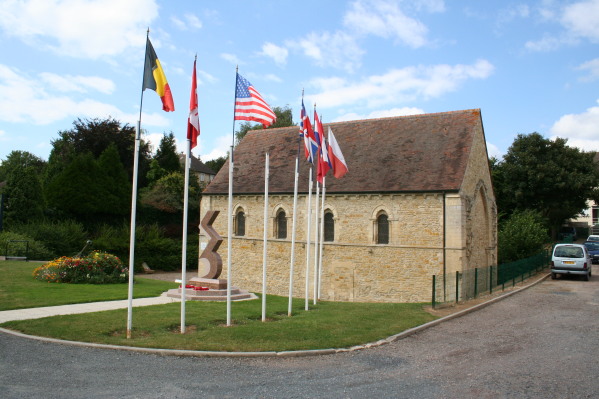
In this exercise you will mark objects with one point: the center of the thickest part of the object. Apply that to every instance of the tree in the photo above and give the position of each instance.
(94, 136)
(20, 160)
(521, 235)
(216, 164)
(166, 194)
(166, 154)
(92, 191)
(284, 119)
(24, 199)
(115, 187)
(76, 191)
(23, 194)
(545, 175)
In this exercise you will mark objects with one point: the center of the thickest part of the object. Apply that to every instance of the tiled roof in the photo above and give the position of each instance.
(418, 153)
(196, 165)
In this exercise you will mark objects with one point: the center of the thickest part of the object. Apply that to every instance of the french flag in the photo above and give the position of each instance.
(336, 157)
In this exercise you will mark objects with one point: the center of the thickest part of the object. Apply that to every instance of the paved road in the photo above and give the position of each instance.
(540, 343)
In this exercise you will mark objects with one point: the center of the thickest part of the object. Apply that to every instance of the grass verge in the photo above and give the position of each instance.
(19, 290)
(326, 325)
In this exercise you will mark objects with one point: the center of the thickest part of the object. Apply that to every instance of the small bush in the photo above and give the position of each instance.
(37, 250)
(65, 237)
(96, 268)
(522, 235)
(151, 246)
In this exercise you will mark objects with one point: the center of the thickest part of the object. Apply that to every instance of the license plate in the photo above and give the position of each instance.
(569, 262)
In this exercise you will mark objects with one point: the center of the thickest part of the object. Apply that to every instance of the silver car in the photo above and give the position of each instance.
(571, 259)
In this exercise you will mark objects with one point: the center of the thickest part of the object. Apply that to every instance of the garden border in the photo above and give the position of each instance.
(314, 352)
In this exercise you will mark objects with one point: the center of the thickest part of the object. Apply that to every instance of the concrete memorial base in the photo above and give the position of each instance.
(207, 289)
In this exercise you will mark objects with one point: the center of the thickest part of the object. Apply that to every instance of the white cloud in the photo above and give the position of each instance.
(548, 43)
(493, 151)
(79, 84)
(204, 76)
(221, 146)
(398, 85)
(29, 100)
(190, 22)
(79, 28)
(581, 19)
(339, 50)
(592, 67)
(273, 78)
(193, 21)
(232, 58)
(178, 23)
(278, 54)
(581, 130)
(387, 20)
(384, 113)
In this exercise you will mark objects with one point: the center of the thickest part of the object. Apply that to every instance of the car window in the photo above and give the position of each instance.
(569, 252)
(593, 246)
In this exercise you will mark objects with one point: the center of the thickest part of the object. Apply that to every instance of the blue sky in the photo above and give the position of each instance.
(530, 66)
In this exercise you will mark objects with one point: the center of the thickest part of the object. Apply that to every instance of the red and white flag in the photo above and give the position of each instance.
(193, 122)
(336, 157)
(324, 163)
(250, 106)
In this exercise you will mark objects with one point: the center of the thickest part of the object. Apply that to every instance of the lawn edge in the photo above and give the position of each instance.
(298, 353)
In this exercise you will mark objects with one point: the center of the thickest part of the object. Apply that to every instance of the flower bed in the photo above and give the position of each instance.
(96, 268)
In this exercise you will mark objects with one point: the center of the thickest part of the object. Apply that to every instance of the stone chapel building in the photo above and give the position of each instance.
(417, 201)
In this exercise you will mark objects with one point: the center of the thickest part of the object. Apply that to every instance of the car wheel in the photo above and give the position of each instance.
(552, 276)
(587, 277)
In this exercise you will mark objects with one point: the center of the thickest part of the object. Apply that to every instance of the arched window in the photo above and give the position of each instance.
(240, 223)
(281, 221)
(329, 227)
(382, 229)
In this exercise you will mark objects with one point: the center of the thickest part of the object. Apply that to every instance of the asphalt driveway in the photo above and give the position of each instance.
(539, 343)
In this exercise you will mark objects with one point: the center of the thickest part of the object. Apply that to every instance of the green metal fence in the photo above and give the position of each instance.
(461, 286)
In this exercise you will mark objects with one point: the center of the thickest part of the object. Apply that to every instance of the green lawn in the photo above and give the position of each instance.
(325, 325)
(18, 289)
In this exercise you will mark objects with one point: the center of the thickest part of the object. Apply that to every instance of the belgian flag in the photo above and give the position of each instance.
(155, 79)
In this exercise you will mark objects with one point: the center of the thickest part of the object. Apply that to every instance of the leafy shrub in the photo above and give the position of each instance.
(37, 250)
(151, 246)
(61, 238)
(96, 268)
(523, 235)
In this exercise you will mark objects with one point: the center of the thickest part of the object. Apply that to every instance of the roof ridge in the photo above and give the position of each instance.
(406, 116)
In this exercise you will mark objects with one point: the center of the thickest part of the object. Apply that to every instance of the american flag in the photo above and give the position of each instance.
(250, 106)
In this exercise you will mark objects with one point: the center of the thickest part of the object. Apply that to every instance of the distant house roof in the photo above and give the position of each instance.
(196, 165)
(418, 153)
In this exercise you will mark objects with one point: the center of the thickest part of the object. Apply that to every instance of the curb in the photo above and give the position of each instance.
(299, 353)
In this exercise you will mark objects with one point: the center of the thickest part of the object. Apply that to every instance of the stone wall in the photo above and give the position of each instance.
(354, 267)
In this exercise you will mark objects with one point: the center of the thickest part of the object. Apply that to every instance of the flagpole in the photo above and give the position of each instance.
(184, 248)
(264, 252)
(316, 215)
(230, 210)
(134, 208)
(308, 240)
(317, 296)
(293, 226)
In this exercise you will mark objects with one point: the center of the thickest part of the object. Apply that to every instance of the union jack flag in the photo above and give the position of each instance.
(310, 145)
